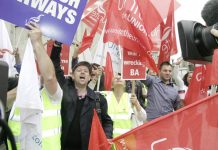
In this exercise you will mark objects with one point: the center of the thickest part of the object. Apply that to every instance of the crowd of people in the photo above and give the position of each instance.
(128, 104)
(69, 101)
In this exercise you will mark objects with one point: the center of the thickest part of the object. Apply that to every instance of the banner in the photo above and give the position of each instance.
(94, 12)
(167, 36)
(88, 39)
(58, 19)
(125, 27)
(214, 69)
(133, 67)
(64, 55)
(197, 88)
(191, 128)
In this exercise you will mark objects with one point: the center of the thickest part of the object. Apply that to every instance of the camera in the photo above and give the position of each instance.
(197, 43)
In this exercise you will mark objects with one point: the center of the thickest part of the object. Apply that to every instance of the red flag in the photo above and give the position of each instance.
(97, 140)
(87, 40)
(174, 49)
(149, 61)
(108, 73)
(94, 11)
(214, 69)
(153, 19)
(191, 128)
(197, 88)
(125, 27)
(167, 37)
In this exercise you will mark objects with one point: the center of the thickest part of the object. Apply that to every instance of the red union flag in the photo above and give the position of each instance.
(153, 19)
(191, 128)
(197, 88)
(64, 55)
(125, 27)
(133, 66)
(88, 39)
(214, 69)
(95, 11)
(167, 36)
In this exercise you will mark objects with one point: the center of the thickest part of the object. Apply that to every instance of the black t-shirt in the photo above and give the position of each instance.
(74, 140)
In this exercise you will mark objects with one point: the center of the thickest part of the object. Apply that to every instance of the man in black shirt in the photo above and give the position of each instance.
(77, 104)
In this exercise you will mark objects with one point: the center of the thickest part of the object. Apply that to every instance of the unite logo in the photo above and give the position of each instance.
(166, 33)
(166, 44)
(35, 19)
(199, 76)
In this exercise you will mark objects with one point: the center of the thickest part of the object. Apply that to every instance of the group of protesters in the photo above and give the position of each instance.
(69, 101)
(129, 103)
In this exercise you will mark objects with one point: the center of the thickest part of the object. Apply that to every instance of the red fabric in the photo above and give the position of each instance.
(197, 88)
(64, 55)
(191, 128)
(149, 61)
(119, 30)
(174, 49)
(108, 73)
(150, 24)
(214, 69)
(167, 37)
(95, 11)
(87, 40)
(97, 140)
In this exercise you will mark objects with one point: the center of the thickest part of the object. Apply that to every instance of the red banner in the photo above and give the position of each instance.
(64, 55)
(95, 11)
(197, 88)
(214, 69)
(167, 36)
(133, 66)
(125, 27)
(191, 128)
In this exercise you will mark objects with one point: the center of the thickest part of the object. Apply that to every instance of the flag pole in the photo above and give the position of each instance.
(99, 78)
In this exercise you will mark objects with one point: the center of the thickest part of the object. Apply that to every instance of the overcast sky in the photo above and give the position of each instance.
(189, 10)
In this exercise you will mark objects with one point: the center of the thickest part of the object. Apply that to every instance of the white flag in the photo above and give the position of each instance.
(85, 56)
(29, 102)
(5, 43)
(101, 51)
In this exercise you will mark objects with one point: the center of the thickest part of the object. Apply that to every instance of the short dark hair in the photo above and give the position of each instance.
(185, 78)
(165, 63)
(95, 66)
(83, 63)
(210, 12)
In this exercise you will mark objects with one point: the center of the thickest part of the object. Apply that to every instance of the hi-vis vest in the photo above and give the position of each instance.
(120, 113)
(51, 124)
